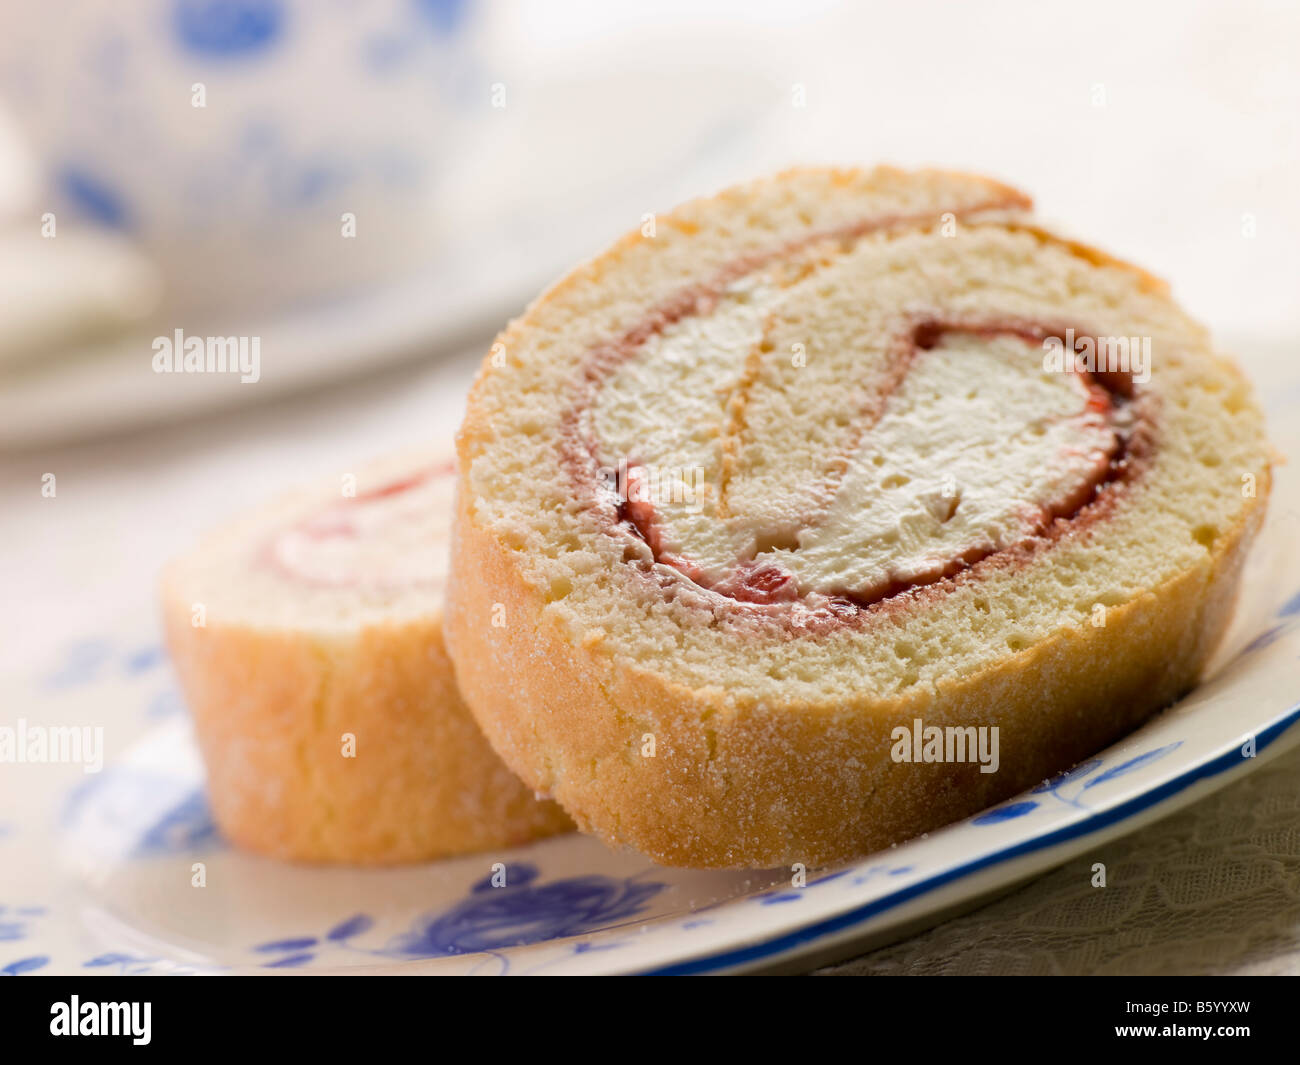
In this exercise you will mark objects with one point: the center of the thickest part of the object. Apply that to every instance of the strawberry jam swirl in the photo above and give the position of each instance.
(814, 435)
(388, 537)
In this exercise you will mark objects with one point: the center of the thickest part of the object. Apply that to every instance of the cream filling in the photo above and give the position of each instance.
(974, 444)
(969, 450)
(381, 539)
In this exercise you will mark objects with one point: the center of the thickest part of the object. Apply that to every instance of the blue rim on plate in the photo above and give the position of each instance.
(771, 948)
(106, 858)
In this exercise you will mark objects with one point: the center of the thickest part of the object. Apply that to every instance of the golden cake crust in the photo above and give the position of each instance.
(272, 703)
(724, 789)
(740, 780)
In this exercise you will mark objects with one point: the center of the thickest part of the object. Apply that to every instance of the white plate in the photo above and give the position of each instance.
(98, 870)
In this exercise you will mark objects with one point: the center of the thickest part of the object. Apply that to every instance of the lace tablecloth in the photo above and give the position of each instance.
(1214, 889)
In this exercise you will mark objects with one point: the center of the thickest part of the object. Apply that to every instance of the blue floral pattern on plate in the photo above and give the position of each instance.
(489, 920)
(227, 28)
(565, 904)
(1058, 785)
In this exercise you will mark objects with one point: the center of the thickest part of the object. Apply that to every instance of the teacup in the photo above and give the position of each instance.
(261, 151)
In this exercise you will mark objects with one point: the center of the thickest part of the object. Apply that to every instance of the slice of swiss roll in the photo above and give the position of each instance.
(308, 642)
(838, 507)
